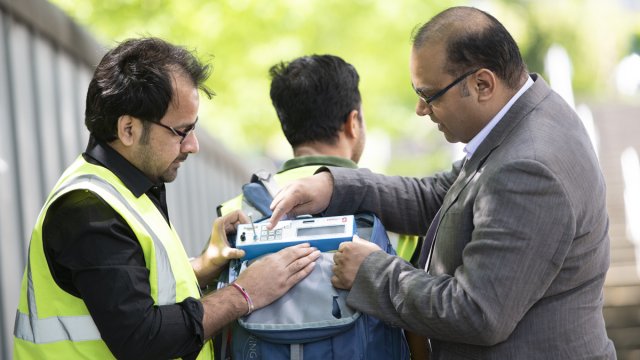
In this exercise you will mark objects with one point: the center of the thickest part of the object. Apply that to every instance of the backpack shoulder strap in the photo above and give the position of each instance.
(371, 228)
(267, 179)
(258, 194)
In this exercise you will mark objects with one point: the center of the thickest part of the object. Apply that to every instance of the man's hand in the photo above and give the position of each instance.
(266, 280)
(308, 195)
(348, 259)
(270, 277)
(218, 252)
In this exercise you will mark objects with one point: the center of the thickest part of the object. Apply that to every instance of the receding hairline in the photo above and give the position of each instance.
(450, 24)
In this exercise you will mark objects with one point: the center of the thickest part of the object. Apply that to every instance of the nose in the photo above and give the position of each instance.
(190, 144)
(422, 108)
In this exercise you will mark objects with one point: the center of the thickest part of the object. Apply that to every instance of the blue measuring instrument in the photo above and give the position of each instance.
(323, 233)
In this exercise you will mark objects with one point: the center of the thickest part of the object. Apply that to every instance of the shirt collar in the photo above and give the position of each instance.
(317, 160)
(473, 145)
(100, 153)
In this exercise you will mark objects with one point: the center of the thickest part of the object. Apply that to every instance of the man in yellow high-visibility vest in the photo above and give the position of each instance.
(107, 275)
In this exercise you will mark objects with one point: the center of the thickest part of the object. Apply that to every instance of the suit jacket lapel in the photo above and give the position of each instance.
(525, 104)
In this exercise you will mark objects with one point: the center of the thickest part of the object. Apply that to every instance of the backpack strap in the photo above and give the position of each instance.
(256, 201)
(296, 351)
(258, 194)
(268, 180)
(224, 340)
(372, 229)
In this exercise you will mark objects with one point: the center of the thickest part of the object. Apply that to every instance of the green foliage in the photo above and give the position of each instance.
(244, 38)
(596, 35)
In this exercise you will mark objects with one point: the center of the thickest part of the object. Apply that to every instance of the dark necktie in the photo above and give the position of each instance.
(427, 245)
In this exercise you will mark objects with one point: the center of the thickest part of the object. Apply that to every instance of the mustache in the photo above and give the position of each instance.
(182, 157)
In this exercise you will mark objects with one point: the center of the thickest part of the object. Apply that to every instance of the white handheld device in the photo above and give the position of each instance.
(323, 233)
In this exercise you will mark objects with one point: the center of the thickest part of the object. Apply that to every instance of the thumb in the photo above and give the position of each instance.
(232, 253)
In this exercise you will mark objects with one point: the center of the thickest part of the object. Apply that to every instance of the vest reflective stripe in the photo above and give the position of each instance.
(42, 331)
(80, 328)
(58, 328)
(50, 322)
(166, 280)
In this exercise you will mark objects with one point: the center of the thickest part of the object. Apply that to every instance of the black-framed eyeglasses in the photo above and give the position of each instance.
(432, 98)
(176, 132)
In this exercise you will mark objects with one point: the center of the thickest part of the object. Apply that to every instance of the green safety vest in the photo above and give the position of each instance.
(53, 324)
(407, 244)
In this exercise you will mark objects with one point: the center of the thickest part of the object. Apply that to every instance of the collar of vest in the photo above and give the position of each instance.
(317, 160)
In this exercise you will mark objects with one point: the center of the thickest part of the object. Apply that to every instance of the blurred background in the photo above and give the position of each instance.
(586, 49)
(243, 38)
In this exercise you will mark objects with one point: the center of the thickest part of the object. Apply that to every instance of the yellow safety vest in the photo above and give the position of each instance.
(407, 244)
(53, 324)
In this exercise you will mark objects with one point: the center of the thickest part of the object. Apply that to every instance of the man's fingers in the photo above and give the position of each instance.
(231, 220)
(337, 283)
(308, 195)
(282, 204)
(336, 258)
(300, 263)
(291, 253)
(297, 276)
(275, 217)
(243, 218)
(226, 226)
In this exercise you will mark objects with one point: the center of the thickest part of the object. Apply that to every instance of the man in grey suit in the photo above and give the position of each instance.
(520, 251)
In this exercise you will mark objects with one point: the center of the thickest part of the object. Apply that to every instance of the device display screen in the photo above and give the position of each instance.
(320, 230)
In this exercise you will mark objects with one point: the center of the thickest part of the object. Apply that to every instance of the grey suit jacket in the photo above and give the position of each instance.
(521, 250)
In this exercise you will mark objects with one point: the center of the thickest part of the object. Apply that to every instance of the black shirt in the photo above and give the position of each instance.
(93, 254)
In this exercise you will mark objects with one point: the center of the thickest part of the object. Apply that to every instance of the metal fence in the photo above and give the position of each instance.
(46, 64)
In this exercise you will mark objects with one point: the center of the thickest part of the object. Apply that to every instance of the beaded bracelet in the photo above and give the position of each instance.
(245, 295)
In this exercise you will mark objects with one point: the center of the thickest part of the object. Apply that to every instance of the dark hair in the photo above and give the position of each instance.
(135, 79)
(474, 39)
(313, 96)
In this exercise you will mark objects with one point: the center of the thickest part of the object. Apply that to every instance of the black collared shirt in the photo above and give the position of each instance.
(93, 254)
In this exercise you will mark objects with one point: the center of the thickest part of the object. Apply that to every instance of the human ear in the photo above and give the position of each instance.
(352, 124)
(126, 129)
(485, 84)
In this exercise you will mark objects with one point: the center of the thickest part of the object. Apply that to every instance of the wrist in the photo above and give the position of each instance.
(245, 295)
